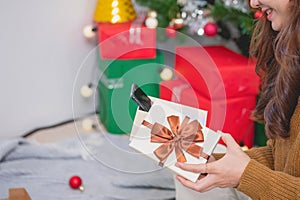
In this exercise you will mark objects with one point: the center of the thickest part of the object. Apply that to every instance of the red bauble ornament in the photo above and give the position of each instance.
(171, 32)
(210, 29)
(75, 182)
(258, 14)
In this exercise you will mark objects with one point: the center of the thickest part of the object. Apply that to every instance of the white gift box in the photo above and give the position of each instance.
(141, 135)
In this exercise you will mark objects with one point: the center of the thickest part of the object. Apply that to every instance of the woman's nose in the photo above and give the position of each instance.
(254, 3)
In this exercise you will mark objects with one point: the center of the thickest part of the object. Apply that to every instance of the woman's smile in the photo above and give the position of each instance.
(276, 11)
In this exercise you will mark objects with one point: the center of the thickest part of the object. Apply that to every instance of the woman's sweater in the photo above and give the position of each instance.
(274, 170)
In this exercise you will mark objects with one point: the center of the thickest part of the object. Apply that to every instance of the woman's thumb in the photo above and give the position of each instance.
(229, 140)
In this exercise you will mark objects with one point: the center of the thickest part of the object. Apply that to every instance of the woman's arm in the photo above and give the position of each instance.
(263, 155)
(260, 182)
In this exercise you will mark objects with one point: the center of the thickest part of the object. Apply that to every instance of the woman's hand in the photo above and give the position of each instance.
(222, 173)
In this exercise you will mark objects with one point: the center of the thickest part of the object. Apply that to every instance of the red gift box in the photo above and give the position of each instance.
(126, 41)
(231, 115)
(216, 72)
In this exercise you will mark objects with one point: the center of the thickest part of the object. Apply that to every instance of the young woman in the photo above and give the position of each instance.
(273, 171)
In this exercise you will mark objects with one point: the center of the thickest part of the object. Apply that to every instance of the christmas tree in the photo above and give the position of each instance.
(231, 19)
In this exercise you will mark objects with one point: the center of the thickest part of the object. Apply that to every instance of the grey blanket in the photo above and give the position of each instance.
(108, 167)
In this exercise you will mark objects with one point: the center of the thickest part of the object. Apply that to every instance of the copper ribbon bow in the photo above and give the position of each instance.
(180, 137)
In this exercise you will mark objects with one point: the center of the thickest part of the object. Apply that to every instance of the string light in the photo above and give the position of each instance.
(166, 74)
(89, 31)
(243, 146)
(86, 90)
(151, 22)
(88, 124)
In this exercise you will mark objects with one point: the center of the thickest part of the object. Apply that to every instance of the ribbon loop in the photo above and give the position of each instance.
(174, 123)
(181, 138)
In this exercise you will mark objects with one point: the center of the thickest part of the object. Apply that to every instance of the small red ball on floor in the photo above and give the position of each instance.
(75, 182)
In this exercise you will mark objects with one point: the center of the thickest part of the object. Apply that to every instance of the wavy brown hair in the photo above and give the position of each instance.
(278, 65)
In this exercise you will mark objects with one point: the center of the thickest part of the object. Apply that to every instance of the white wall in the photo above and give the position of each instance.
(41, 50)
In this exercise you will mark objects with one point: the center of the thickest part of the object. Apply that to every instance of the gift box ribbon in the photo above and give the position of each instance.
(180, 137)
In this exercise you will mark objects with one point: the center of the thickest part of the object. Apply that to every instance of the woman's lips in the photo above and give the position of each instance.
(269, 14)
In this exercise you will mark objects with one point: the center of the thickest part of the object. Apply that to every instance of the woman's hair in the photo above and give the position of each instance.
(278, 65)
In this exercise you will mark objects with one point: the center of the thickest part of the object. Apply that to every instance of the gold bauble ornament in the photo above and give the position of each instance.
(177, 23)
(114, 11)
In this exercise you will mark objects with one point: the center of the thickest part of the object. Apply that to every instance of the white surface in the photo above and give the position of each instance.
(42, 49)
(140, 137)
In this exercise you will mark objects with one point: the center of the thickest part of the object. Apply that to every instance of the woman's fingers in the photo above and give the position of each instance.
(225, 172)
(186, 182)
(206, 168)
(202, 185)
(196, 168)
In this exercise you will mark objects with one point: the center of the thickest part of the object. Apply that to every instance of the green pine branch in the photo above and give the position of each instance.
(166, 10)
(241, 19)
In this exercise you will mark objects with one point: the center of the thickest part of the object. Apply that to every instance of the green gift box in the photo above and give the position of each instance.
(116, 109)
(260, 138)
